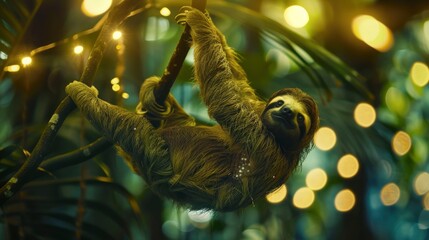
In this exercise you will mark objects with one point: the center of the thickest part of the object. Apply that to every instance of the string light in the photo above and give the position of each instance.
(419, 74)
(303, 198)
(78, 49)
(92, 8)
(114, 80)
(116, 87)
(26, 61)
(116, 35)
(165, 12)
(316, 179)
(12, 68)
(125, 95)
(364, 115)
(345, 200)
(277, 195)
(348, 166)
(296, 16)
(421, 183)
(390, 194)
(372, 32)
(401, 143)
(325, 138)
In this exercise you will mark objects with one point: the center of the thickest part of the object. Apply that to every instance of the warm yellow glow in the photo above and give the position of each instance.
(125, 95)
(12, 68)
(296, 16)
(390, 194)
(419, 74)
(372, 32)
(114, 80)
(78, 49)
(421, 183)
(26, 61)
(116, 87)
(426, 201)
(316, 179)
(117, 35)
(165, 12)
(303, 198)
(364, 115)
(401, 143)
(348, 166)
(278, 195)
(345, 200)
(94, 8)
(325, 138)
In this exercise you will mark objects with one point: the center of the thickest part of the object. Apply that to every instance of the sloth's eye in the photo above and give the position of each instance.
(300, 118)
(279, 103)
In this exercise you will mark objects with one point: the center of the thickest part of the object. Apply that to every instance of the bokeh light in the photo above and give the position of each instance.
(396, 101)
(303, 198)
(114, 80)
(296, 16)
(372, 32)
(78, 49)
(364, 115)
(277, 195)
(200, 218)
(345, 200)
(125, 95)
(116, 35)
(401, 143)
(92, 8)
(26, 61)
(348, 166)
(12, 68)
(316, 179)
(116, 87)
(165, 12)
(325, 138)
(390, 194)
(421, 183)
(419, 74)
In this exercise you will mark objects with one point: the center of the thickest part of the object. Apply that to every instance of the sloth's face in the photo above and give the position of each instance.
(287, 119)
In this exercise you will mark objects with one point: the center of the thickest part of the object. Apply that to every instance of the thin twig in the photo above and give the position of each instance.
(77, 156)
(114, 19)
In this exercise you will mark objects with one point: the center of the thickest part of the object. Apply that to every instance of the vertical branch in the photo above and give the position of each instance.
(115, 18)
(176, 61)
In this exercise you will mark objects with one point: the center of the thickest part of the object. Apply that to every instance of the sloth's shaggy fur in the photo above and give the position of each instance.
(222, 167)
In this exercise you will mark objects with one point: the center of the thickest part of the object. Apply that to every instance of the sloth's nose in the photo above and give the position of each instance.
(287, 112)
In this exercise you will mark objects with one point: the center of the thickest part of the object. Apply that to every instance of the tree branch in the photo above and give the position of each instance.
(176, 61)
(77, 156)
(114, 19)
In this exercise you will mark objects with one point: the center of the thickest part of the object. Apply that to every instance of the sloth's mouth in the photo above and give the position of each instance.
(288, 122)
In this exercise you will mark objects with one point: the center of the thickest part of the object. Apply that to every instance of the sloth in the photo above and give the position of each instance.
(251, 151)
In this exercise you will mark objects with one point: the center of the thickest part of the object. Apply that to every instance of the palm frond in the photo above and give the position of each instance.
(297, 47)
(50, 206)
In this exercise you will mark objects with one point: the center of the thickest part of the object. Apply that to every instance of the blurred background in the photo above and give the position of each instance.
(364, 61)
